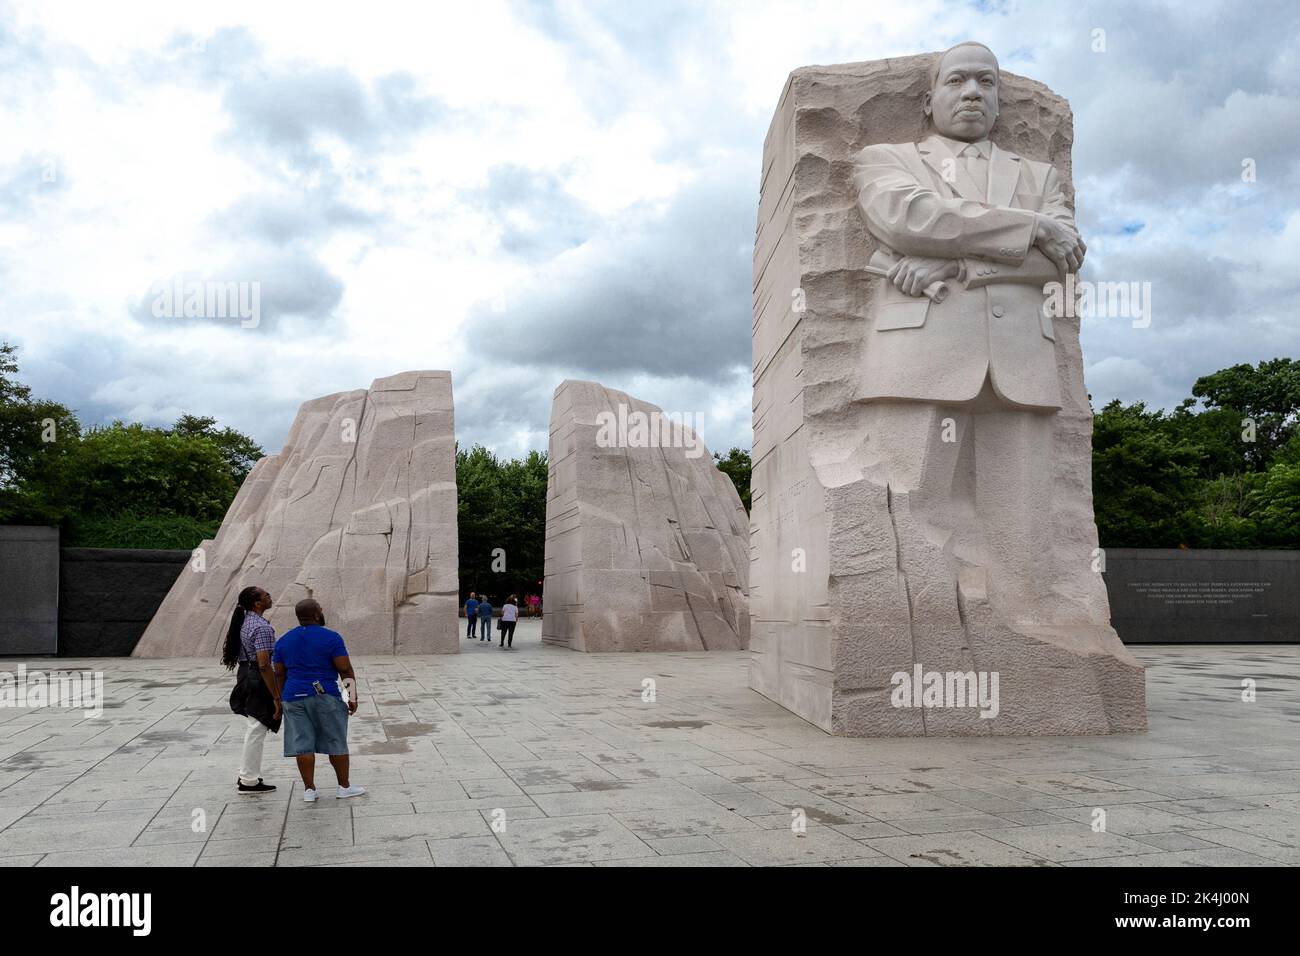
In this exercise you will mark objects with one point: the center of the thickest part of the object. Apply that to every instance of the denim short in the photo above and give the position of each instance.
(316, 725)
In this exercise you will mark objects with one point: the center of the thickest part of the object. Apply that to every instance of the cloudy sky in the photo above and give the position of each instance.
(523, 192)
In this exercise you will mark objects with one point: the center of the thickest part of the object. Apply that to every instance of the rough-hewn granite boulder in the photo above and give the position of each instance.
(358, 511)
(646, 541)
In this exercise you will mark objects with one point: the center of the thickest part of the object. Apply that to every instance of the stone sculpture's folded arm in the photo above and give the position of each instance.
(911, 218)
(1036, 268)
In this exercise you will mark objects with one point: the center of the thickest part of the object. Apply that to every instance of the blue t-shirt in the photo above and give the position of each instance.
(471, 606)
(485, 610)
(307, 653)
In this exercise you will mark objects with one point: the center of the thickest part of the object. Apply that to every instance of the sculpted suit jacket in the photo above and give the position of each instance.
(993, 321)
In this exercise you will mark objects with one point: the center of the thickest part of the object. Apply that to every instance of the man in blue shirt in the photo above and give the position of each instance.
(309, 660)
(471, 613)
(485, 619)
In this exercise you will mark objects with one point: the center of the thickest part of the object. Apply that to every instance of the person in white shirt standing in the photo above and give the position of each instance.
(509, 615)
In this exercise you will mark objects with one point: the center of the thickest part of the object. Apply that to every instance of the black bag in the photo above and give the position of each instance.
(250, 698)
(501, 624)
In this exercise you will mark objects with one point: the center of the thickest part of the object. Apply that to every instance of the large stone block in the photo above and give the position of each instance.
(897, 519)
(357, 511)
(646, 541)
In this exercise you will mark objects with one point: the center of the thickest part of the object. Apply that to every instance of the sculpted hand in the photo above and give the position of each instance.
(1059, 243)
(912, 274)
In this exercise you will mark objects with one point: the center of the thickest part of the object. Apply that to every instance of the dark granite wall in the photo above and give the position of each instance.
(1204, 597)
(107, 596)
(29, 589)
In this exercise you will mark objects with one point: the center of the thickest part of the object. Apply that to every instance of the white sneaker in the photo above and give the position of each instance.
(352, 791)
(309, 796)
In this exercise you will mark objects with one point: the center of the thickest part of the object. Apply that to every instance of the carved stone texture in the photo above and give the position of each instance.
(358, 511)
(919, 503)
(646, 541)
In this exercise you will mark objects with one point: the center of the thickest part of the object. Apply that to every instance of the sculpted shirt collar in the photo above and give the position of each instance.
(955, 146)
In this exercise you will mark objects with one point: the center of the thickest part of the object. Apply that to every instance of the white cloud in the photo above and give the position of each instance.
(591, 166)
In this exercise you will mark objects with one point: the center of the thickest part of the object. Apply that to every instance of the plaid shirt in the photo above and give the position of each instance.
(255, 635)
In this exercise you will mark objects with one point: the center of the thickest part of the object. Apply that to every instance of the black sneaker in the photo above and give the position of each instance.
(258, 787)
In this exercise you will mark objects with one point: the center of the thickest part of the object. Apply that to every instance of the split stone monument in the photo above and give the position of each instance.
(924, 548)
(358, 511)
(646, 541)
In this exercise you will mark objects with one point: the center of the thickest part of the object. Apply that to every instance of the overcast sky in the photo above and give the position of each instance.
(527, 192)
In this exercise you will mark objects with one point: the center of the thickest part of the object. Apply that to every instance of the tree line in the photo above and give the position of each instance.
(1221, 470)
(501, 523)
(123, 485)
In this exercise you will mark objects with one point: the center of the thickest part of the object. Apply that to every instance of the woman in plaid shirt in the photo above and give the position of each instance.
(250, 639)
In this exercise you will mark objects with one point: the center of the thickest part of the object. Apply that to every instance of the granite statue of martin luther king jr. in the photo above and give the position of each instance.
(960, 369)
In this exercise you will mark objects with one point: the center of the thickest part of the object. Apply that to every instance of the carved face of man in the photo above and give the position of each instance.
(963, 102)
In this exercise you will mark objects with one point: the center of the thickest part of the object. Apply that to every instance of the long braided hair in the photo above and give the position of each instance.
(230, 651)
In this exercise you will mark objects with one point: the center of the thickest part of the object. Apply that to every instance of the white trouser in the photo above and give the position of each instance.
(250, 770)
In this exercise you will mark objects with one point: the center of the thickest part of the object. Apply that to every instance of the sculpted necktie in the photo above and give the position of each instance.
(977, 168)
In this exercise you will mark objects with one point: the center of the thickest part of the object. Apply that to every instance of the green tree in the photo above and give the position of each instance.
(1289, 454)
(1268, 394)
(524, 519)
(36, 437)
(1143, 480)
(1223, 513)
(121, 485)
(1194, 477)
(134, 468)
(239, 451)
(501, 515)
(1215, 433)
(738, 468)
(1276, 503)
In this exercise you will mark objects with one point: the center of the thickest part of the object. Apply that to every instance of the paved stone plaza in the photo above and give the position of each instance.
(561, 748)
